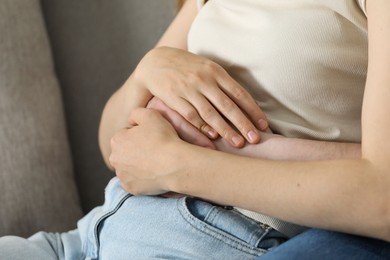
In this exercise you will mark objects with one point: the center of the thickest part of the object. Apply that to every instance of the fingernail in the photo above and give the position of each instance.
(253, 136)
(212, 133)
(263, 124)
(237, 140)
(209, 132)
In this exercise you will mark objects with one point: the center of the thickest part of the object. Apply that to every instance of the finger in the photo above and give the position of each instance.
(216, 121)
(234, 114)
(190, 134)
(243, 99)
(185, 130)
(190, 114)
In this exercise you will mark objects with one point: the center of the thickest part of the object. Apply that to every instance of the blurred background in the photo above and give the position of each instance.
(60, 61)
(96, 44)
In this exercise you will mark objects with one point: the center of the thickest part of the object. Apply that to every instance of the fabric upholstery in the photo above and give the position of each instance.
(96, 45)
(37, 185)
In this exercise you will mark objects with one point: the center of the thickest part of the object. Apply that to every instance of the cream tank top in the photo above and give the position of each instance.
(304, 62)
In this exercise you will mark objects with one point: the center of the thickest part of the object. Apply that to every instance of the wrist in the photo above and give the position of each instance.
(184, 158)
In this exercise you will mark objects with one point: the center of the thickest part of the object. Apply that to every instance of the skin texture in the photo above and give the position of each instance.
(349, 192)
(272, 146)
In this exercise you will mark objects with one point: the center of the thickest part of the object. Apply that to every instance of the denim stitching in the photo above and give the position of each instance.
(265, 233)
(210, 217)
(253, 238)
(187, 215)
(103, 218)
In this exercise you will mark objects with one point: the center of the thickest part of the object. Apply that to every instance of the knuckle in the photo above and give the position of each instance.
(225, 133)
(176, 86)
(207, 113)
(190, 115)
(193, 78)
(204, 128)
(239, 93)
(227, 105)
(243, 126)
(113, 141)
(112, 160)
(211, 66)
(117, 137)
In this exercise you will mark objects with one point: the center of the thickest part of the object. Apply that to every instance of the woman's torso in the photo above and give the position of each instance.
(304, 61)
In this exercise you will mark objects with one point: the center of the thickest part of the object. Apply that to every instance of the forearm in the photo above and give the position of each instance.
(117, 111)
(339, 195)
(274, 147)
(131, 95)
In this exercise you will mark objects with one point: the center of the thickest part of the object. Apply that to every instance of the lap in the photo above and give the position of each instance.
(185, 228)
(128, 227)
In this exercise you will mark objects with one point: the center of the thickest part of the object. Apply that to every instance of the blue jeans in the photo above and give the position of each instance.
(128, 227)
(323, 245)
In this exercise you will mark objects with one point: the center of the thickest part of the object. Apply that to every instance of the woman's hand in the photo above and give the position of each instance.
(143, 155)
(184, 129)
(203, 93)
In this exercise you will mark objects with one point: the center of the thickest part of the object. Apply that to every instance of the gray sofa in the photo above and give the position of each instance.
(60, 60)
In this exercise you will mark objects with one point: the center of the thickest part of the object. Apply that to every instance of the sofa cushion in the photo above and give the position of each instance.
(96, 45)
(38, 191)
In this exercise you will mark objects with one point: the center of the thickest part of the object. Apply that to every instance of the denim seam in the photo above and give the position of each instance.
(213, 213)
(104, 217)
(265, 233)
(206, 227)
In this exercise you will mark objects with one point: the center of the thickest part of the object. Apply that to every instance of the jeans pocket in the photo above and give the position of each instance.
(229, 226)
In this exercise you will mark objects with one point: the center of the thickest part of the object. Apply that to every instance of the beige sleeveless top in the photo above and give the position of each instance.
(304, 61)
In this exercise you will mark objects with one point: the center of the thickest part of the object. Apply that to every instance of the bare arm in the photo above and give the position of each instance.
(118, 108)
(272, 146)
(196, 87)
(345, 195)
(276, 147)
